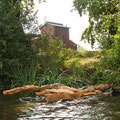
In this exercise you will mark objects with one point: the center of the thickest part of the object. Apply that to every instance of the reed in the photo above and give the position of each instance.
(24, 75)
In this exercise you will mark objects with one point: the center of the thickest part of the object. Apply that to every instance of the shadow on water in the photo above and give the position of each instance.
(11, 107)
(30, 108)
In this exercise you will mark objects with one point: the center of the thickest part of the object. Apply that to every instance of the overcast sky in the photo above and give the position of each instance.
(61, 11)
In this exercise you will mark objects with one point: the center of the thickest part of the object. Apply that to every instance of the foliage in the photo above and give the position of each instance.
(85, 53)
(52, 69)
(102, 18)
(24, 74)
(84, 58)
(50, 76)
(76, 79)
(14, 46)
(48, 52)
(80, 48)
(18, 54)
(46, 70)
(80, 75)
(80, 66)
(69, 53)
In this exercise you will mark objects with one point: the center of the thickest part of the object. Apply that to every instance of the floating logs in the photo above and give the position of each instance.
(56, 92)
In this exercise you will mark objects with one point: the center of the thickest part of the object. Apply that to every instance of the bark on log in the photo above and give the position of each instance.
(30, 88)
(55, 92)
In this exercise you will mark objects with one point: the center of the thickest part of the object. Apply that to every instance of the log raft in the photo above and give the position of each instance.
(56, 92)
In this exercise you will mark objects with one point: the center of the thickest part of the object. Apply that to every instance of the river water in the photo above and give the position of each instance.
(30, 108)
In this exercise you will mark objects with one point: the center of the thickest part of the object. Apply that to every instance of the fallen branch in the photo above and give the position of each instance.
(55, 92)
(30, 88)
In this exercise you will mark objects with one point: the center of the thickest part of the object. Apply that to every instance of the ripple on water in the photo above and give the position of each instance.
(57, 110)
(92, 108)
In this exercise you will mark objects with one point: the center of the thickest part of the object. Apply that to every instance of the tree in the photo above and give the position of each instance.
(15, 17)
(103, 19)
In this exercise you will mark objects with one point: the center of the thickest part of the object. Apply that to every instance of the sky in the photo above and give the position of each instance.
(62, 11)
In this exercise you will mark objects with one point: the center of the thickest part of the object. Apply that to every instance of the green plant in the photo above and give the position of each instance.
(68, 53)
(50, 76)
(80, 74)
(15, 17)
(24, 75)
(103, 20)
(48, 53)
(53, 76)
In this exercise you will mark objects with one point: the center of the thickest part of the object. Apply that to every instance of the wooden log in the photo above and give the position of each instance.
(56, 85)
(20, 89)
(61, 96)
(50, 91)
(55, 92)
(98, 92)
(68, 88)
(90, 93)
(58, 96)
(62, 93)
(30, 88)
(102, 87)
(91, 89)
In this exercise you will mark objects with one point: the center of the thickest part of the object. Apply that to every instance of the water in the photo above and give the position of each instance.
(30, 108)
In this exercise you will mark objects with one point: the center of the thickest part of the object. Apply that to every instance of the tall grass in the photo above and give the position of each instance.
(24, 75)
(50, 76)
(76, 76)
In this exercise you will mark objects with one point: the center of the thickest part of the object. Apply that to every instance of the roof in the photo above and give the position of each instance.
(53, 24)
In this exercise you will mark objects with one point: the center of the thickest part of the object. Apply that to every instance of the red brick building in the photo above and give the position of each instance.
(58, 30)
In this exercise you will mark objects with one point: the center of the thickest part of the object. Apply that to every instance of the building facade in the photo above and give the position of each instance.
(58, 30)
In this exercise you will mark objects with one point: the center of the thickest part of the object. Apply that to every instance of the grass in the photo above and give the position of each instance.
(78, 69)
(24, 75)
(86, 59)
(81, 66)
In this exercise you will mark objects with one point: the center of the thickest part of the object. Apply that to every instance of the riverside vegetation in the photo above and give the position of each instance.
(54, 64)
(21, 63)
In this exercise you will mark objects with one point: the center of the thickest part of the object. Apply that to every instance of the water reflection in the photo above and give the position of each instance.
(93, 108)
(30, 108)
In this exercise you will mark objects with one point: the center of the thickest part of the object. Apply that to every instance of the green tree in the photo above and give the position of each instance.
(103, 19)
(15, 18)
